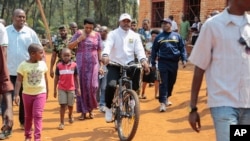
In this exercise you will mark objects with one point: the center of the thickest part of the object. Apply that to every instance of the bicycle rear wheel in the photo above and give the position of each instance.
(128, 120)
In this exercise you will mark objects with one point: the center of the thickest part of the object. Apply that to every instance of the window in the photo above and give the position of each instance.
(192, 9)
(157, 13)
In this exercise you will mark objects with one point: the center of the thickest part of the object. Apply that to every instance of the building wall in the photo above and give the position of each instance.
(144, 11)
(176, 7)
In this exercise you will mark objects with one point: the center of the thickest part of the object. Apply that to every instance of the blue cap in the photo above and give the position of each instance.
(166, 20)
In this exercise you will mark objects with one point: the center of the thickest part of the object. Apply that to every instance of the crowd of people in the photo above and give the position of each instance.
(81, 69)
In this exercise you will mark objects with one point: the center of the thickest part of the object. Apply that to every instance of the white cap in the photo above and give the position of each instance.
(125, 16)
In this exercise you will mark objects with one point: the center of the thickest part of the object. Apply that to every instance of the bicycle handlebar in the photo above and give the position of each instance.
(125, 66)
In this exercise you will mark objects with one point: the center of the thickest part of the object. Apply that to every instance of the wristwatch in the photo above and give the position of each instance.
(192, 109)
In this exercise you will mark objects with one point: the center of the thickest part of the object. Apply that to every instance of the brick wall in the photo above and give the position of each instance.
(176, 7)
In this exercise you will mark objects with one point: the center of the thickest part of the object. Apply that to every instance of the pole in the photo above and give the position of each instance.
(45, 22)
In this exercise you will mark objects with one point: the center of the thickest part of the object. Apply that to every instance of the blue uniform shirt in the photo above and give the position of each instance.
(168, 46)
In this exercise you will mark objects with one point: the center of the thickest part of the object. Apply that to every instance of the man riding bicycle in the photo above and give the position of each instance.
(121, 47)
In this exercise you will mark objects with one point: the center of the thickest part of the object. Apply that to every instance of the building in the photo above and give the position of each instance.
(155, 10)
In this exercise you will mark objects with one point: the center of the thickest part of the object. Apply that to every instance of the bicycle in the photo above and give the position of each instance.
(125, 106)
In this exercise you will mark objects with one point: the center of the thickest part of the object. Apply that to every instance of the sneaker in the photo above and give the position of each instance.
(102, 109)
(108, 115)
(71, 120)
(61, 126)
(163, 107)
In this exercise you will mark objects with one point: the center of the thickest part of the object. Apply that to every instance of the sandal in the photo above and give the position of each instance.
(61, 126)
(91, 115)
(156, 97)
(6, 132)
(142, 97)
(82, 117)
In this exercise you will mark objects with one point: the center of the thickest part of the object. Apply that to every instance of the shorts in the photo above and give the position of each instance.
(5, 83)
(149, 78)
(66, 97)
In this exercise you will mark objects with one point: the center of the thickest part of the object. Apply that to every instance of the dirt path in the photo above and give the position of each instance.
(154, 126)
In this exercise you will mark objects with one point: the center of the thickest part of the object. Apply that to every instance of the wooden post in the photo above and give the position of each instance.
(45, 22)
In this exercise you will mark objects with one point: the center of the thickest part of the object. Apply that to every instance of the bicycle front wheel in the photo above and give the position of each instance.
(129, 116)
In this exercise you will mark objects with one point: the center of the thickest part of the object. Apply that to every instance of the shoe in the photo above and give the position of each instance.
(102, 109)
(163, 107)
(22, 127)
(142, 97)
(71, 120)
(91, 115)
(61, 126)
(82, 117)
(156, 97)
(169, 103)
(6, 132)
(108, 115)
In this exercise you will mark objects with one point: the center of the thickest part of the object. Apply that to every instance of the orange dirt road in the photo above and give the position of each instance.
(171, 125)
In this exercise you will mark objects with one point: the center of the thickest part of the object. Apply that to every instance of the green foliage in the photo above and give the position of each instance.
(57, 12)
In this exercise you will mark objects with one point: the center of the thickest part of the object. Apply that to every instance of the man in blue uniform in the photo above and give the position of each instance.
(168, 47)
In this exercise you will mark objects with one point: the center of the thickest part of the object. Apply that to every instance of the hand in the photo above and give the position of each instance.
(82, 37)
(194, 121)
(52, 73)
(146, 67)
(55, 94)
(17, 99)
(78, 91)
(105, 60)
(184, 64)
(101, 71)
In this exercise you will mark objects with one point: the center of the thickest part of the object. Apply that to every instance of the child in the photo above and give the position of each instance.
(151, 77)
(32, 75)
(66, 77)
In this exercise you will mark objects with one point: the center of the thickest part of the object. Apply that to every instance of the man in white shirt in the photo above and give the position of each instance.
(21, 36)
(6, 86)
(222, 52)
(174, 26)
(121, 46)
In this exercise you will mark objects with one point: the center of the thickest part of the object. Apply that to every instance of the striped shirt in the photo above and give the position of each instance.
(66, 73)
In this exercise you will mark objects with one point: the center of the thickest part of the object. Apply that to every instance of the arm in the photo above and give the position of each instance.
(77, 81)
(55, 85)
(56, 81)
(194, 118)
(18, 84)
(108, 46)
(154, 51)
(52, 63)
(47, 86)
(183, 52)
(76, 39)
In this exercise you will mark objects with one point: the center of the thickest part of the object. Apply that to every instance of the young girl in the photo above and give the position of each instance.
(32, 75)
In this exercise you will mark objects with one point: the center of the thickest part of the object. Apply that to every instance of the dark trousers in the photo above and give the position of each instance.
(112, 80)
(168, 74)
(21, 107)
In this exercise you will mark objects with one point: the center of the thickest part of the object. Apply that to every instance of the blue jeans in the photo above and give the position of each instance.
(224, 116)
(102, 88)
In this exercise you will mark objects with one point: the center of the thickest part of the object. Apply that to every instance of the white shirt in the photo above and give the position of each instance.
(121, 46)
(3, 36)
(174, 26)
(224, 59)
(18, 46)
